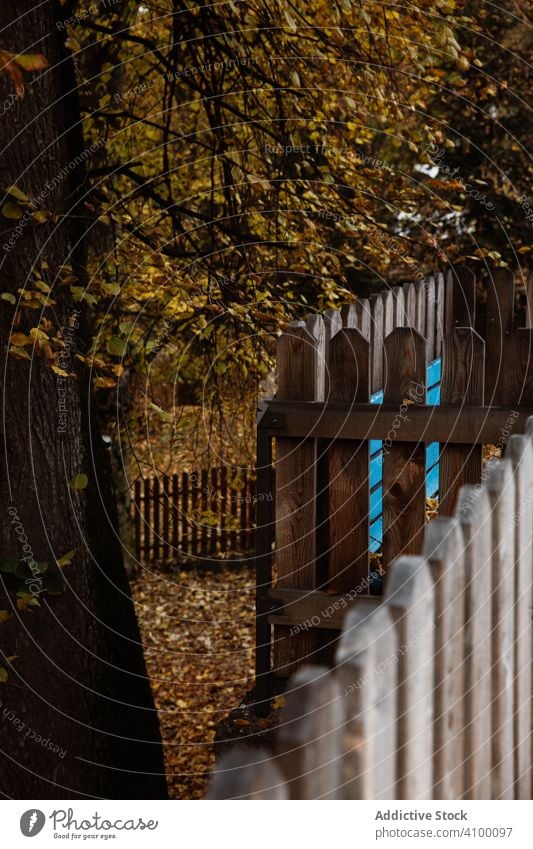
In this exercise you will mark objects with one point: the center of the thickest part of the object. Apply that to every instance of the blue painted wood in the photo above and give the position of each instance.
(433, 376)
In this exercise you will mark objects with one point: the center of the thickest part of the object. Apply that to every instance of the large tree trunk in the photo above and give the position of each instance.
(79, 680)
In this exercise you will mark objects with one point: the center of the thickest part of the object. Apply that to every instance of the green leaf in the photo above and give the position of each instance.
(163, 415)
(31, 61)
(11, 209)
(116, 347)
(111, 288)
(7, 296)
(9, 565)
(72, 44)
(66, 559)
(15, 192)
(79, 481)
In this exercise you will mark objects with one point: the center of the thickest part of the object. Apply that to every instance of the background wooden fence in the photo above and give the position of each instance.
(206, 514)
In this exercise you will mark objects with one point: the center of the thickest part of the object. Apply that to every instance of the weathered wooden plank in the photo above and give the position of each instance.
(309, 737)
(400, 314)
(462, 283)
(410, 600)
(322, 328)
(421, 296)
(246, 773)
(366, 666)
(431, 315)
(404, 475)
(349, 366)
(356, 421)
(300, 364)
(500, 487)
(529, 302)
(462, 384)
(349, 315)
(376, 342)
(515, 388)
(439, 313)
(473, 511)
(364, 317)
(388, 313)
(410, 305)
(443, 551)
(305, 609)
(316, 326)
(332, 324)
(499, 326)
(448, 304)
(519, 450)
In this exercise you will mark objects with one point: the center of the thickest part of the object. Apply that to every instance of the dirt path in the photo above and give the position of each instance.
(198, 631)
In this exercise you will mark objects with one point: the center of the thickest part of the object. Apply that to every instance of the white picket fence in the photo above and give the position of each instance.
(430, 696)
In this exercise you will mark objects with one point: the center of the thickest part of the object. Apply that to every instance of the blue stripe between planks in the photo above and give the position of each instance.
(376, 461)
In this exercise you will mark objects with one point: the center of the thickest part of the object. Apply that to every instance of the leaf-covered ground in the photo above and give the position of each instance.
(198, 631)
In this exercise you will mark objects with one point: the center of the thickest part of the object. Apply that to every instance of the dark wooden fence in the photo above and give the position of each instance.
(202, 514)
(428, 691)
(321, 423)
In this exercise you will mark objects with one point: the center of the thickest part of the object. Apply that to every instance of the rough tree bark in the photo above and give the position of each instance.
(79, 680)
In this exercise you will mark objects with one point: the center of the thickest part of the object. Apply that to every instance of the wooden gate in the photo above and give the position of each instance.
(327, 431)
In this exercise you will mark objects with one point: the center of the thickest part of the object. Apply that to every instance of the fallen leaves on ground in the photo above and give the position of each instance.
(198, 632)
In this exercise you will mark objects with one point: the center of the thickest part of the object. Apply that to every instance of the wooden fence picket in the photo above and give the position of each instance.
(366, 666)
(462, 383)
(309, 751)
(520, 451)
(247, 773)
(473, 511)
(501, 490)
(349, 468)
(410, 600)
(299, 377)
(376, 341)
(443, 550)
(404, 476)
